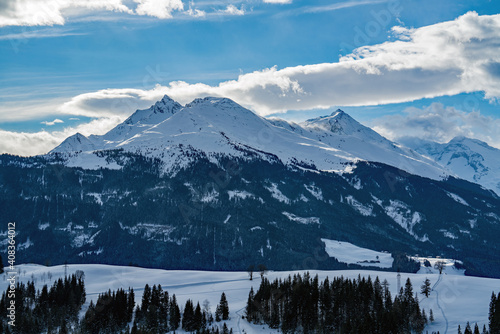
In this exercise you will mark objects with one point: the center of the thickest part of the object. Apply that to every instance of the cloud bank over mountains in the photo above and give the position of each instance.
(447, 58)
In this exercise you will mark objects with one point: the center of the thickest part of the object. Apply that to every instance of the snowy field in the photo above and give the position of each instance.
(351, 254)
(455, 299)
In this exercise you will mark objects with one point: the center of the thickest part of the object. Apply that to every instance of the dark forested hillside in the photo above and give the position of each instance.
(227, 214)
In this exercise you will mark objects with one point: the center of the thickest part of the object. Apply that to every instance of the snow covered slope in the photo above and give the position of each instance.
(470, 159)
(352, 254)
(455, 299)
(342, 132)
(212, 127)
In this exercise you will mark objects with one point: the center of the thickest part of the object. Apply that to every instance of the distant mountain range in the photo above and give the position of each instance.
(211, 185)
(216, 126)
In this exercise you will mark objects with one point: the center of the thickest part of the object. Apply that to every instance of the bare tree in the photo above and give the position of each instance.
(80, 274)
(251, 269)
(439, 265)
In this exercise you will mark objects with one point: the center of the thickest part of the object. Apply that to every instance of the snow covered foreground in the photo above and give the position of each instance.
(455, 299)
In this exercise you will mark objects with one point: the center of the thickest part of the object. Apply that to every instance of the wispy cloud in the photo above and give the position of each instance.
(340, 5)
(41, 33)
(281, 2)
(326, 8)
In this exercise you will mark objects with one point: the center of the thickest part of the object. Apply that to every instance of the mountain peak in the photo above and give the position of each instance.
(219, 102)
(165, 106)
(338, 112)
(76, 142)
(338, 122)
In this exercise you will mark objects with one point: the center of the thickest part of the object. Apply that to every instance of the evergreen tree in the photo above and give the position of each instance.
(426, 287)
(174, 314)
(224, 307)
(431, 316)
(250, 306)
(198, 317)
(494, 314)
(188, 322)
(476, 329)
(130, 304)
(218, 313)
(468, 330)
(146, 298)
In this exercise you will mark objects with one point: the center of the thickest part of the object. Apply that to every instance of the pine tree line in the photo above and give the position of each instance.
(110, 314)
(158, 312)
(46, 310)
(304, 305)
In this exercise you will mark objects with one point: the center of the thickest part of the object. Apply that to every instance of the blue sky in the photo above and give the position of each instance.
(89, 66)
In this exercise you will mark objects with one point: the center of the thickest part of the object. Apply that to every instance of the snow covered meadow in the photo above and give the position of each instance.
(455, 298)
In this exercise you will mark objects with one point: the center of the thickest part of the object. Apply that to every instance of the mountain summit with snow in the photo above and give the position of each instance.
(470, 159)
(214, 126)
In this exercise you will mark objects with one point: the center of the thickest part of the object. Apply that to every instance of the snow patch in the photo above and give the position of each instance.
(210, 197)
(27, 244)
(404, 217)
(457, 198)
(301, 220)
(277, 194)
(239, 194)
(365, 210)
(315, 191)
(44, 226)
(351, 254)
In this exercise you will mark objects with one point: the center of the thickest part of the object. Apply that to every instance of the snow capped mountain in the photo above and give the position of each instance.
(470, 159)
(213, 126)
(76, 142)
(342, 132)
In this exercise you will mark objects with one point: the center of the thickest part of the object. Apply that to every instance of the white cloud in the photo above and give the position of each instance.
(25, 143)
(50, 12)
(443, 59)
(54, 122)
(282, 2)
(439, 123)
(233, 10)
(195, 12)
(111, 102)
(161, 9)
